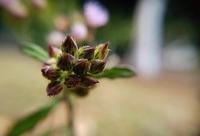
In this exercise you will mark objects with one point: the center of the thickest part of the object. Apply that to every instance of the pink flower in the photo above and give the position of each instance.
(14, 7)
(79, 31)
(96, 15)
(55, 38)
(39, 3)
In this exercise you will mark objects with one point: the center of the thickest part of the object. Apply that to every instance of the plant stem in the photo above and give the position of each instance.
(70, 109)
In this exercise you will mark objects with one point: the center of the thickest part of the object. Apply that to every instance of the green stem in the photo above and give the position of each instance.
(70, 109)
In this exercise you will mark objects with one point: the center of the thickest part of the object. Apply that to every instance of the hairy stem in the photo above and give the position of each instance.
(70, 115)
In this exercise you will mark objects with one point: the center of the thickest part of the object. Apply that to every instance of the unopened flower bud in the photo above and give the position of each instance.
(54, 88)
(81, 67)
(69, 46)
(53, 51)
(86, 52)
(50, 73)
(50, 62)
(101, 51)
(65, 61)
(97, 66)
(73, 81)
(88, 82)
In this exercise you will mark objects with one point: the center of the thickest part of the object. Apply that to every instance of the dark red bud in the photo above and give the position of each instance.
(65, 61)
(97, 66)
(50, 62)
(88, 82)
(73, 81)
(54, 88)
(81, 67)
(69, 45)
(53, 51)
(101, 51)
(50, 73)
(86, 52)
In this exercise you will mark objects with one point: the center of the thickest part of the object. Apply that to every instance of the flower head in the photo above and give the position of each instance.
(72, 67)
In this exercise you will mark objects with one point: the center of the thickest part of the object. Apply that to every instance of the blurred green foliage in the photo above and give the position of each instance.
(118, 31)
(35, 51)
(116, 72)
(40, 22)
(28, 122)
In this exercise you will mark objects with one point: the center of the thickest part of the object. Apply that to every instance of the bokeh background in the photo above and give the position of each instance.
(159, 39)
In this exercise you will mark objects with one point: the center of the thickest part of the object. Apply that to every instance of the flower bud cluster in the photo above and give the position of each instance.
(73, 67)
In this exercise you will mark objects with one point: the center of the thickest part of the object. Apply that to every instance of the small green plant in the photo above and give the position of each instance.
(72, 70)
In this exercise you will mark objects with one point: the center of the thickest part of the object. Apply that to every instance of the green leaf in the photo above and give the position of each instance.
(34, 51)
(27, 123)
(116, 72)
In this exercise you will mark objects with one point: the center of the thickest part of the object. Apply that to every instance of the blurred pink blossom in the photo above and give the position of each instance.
(14, 7)
(96, 15)
(39, 3)
(61, 23)
(55, 38)
(79, 31)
